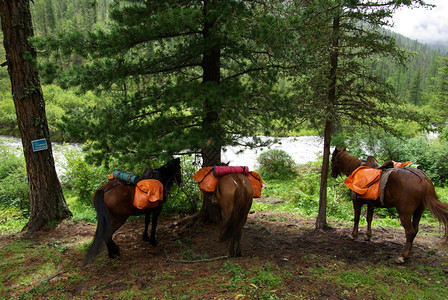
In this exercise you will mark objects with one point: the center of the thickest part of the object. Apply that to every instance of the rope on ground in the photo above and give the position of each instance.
(194, 261)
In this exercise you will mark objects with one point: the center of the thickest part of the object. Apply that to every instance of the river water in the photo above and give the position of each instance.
(60, 150)
(302, 149)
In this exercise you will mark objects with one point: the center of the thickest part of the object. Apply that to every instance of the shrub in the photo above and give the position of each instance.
(187, 198)
(14, 188)
(427, 152)
(276, 164)
(83, 178)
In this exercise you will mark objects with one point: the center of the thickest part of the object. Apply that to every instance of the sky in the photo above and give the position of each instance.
(429, 26)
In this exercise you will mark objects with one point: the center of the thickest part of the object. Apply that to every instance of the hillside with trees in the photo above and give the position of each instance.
(415, 82)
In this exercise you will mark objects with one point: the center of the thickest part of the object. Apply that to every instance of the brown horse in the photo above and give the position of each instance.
(114, 204)
(234, 194)
(410, 191)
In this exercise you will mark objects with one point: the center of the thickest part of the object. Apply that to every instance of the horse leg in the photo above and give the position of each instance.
(112, 248)
(155, 217)
(238, 243)
(368, 234)
(410, 235)
(357, 205)
(416, 217)
(231, 247)
(147, 221)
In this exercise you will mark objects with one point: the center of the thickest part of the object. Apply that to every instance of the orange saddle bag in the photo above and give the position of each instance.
(365, 182)
(148, 194)
(207, 182)
(257, 183)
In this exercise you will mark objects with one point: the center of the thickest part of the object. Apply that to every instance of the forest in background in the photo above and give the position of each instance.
(414, 83)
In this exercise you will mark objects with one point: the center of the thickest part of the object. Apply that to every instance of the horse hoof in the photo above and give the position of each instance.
(351, 236)
(399, 260)
(146, 238)
(367, 238)
(153, 243)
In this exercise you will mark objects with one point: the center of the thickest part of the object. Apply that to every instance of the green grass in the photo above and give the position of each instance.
(11, 220)
(388, 282)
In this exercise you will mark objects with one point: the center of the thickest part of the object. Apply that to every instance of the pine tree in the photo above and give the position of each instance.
(47, 203)
(344, 35)
(186, 76)
(415, 92)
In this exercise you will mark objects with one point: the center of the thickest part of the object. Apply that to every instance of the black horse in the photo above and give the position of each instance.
(114, 204)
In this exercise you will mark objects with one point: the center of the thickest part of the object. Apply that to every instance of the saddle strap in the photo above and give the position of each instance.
(383, 181)
(112, 184)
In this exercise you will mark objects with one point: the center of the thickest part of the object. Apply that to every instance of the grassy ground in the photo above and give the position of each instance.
(284, 257)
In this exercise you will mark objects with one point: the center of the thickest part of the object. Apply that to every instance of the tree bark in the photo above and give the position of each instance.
(321, 221)
(211, 154)
(47, 203)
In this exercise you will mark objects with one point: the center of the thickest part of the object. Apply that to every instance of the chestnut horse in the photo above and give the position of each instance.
(410, 191)
(113, 204)
(234, 194)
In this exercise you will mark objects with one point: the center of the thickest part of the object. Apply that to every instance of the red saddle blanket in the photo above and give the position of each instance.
(365, 182)
(219, 171)
(148, 194)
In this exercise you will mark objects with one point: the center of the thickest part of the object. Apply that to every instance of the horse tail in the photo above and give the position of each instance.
(437, 208)
(241, 206)
(103, 228)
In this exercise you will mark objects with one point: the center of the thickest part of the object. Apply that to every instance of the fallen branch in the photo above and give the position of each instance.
(121, 232)
(185, 221)
(47, 279)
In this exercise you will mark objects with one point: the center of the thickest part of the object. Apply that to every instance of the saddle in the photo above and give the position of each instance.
(145, 194)
(207, 180)
(369, 183)
(365, 182)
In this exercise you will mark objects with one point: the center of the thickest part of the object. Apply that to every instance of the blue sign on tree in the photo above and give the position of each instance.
(39, 145)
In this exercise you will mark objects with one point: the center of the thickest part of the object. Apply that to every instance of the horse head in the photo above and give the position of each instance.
(335, 162)
(167, 174)
(175, 170)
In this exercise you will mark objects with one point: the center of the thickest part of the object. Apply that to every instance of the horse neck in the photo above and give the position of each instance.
(167, 178)
(348, 164)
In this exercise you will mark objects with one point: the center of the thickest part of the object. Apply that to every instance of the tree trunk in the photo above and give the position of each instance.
(211, 155)
(321, 221)
(47, 203)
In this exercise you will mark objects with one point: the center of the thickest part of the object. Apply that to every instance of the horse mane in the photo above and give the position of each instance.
(350, 163)
(371, 162)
